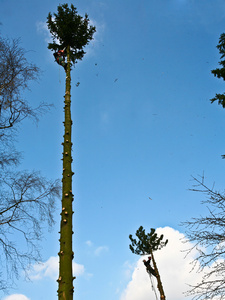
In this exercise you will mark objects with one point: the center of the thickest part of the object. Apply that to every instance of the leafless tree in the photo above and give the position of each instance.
(15, 74)
(208, 235)
(27, 200)
(27, 203)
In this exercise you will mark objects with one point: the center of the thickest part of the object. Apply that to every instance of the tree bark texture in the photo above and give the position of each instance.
(65, 280)
(159, 286)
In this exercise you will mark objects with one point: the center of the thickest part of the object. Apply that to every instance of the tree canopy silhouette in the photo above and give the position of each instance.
(70, 29)
(147, 243)
(220, 72)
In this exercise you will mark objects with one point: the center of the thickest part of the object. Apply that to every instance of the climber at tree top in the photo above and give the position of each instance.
(60, 58)
(148, 266)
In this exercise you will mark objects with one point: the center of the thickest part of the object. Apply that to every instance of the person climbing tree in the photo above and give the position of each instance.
(60, 58)
(71, 32)
(149, 269)
(147, 243)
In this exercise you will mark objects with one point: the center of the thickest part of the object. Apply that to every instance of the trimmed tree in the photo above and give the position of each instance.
(147, 243)
(220, 72)
(71, 33)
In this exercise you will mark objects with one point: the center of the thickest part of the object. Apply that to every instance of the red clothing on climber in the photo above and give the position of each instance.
(59, 57)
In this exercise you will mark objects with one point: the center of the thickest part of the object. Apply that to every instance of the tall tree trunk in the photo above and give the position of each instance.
(65, 280)
(159, 286)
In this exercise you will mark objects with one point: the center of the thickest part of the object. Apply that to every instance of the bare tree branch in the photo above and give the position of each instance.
(208, 235)
(27, 200)
(27, 203)
(15, 74)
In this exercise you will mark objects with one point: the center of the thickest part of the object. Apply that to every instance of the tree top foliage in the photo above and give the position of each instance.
(70, 29)
(220, 72)
(146, 242)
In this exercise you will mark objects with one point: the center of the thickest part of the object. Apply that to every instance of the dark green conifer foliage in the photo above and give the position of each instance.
(147, 243)
(220, 73)
(70, 29)
(72, 32)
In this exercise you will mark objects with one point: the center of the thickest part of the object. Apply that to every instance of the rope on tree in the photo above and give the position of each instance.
(152, 284)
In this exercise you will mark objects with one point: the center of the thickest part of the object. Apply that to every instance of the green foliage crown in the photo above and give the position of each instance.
(146, 242)
(220, 72)
(68, 29)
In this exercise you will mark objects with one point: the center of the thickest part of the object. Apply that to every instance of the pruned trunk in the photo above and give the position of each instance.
(159, 286)
(65, 280)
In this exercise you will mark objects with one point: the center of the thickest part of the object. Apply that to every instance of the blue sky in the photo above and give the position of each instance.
(142, 125)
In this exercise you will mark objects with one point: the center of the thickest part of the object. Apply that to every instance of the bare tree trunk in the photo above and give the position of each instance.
(65, 280)
(159, 286)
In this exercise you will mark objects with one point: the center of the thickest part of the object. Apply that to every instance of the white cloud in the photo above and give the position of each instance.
(45, 269)
(50, 269)
(89, 243)
(97, 251)
(42, 28)
(101, 249)
(128, 269)
(174, 269)
(78, 269)
(16, 297)
(100, 28)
